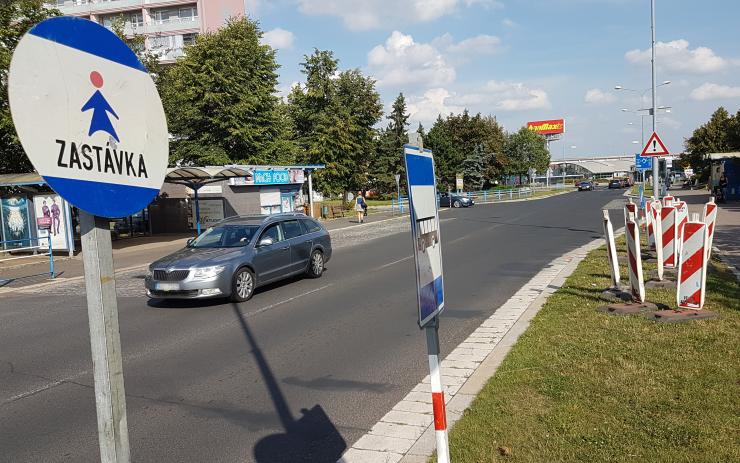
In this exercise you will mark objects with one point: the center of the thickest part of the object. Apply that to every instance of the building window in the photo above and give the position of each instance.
(188, 39)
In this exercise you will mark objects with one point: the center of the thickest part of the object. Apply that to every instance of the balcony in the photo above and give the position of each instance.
(86, 7)
(173, 25)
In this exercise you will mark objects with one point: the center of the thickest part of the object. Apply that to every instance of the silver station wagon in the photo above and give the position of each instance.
(238, 254)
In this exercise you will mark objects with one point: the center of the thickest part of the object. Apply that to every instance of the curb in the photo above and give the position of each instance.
(406, 433)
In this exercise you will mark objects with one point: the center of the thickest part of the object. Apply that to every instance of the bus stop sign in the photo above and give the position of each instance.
(88, 116)
(425, 231)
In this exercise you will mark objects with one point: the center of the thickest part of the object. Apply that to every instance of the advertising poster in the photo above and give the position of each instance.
(211, 212)
(52, 207)
(16, 222)
(425, 231)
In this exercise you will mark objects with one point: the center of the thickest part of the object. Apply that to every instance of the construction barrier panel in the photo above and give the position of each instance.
(668, 223)
(629, 208)
(682, 216)
(668, 200)
(634, 260)
(692, 268)
(709, 217)
(611, 249)
(658, 237)
(649, 224)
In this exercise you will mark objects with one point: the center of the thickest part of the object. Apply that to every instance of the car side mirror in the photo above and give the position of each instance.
(265, 242)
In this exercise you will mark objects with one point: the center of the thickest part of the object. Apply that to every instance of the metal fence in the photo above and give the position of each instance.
(12, 247)
(490, 196)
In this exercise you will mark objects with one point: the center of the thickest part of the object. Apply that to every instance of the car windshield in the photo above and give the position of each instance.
(225, 236)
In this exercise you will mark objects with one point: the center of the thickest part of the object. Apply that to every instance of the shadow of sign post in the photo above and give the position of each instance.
(310, 438)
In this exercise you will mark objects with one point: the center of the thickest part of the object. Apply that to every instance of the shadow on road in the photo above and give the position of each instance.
(310, 438)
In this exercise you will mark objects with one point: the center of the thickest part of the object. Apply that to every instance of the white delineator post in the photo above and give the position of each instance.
(692, 267)
(629, 208)
(668, 223)
(438, 395)
(682, 216)
(658, 237)
(649, 220)
(611, 249)
(709, 217)
(634, 260)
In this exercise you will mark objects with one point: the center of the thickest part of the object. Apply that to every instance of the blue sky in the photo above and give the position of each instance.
(523, 60)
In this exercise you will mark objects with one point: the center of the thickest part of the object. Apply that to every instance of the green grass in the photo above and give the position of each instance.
(584, 386)
(635, 190)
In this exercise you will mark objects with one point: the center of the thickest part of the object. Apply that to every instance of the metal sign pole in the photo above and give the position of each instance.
(656, 162)
(197, 211)
(105, 341)
(438, 396)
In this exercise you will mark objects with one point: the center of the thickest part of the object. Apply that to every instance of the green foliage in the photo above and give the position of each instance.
(389, 158)
(457, 137)
(526, 150)
(332, 117)
(473, 169)
(220, 99)
(137, 43)
(720, 134)
(16, 17)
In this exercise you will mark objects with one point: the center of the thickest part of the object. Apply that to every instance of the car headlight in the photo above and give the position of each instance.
(149, 273)
(205, 273)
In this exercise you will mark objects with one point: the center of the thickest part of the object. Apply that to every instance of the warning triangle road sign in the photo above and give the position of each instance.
(654, 147)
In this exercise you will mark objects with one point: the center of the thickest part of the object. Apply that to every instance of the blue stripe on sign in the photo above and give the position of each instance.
(420, 170)
(431, 298)
(103, 199)
(89, 37)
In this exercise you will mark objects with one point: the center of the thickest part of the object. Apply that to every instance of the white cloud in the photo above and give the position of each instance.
(426, 108)
(677, 56)
(506, 22)
(710, 91)
(511, 96)
(372, 14)
(475, 46)
(279, 38)
(401, 61)
(596, 96)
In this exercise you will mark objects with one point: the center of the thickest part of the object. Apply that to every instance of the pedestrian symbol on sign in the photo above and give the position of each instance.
(100, 106)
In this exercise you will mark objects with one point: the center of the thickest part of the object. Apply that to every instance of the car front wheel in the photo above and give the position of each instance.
(315, 264)
(456, 204)
(242, 287)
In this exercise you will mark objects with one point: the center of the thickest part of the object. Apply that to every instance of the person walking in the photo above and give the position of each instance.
(360, 206)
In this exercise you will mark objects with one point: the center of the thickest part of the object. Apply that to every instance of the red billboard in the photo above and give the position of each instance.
(549, 127)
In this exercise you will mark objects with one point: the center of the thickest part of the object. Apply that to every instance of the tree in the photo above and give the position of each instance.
(137, 43)
(389, 161)
(333, 116)
(220, 99)
(526, 150)
(473, 169)
(16, 18)
(720, 134)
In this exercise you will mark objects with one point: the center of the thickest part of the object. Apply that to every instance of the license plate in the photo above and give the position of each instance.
(168, 286)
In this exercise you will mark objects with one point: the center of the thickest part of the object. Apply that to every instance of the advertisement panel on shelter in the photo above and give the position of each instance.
(211, 212)
(548, 127)
(50, 209)
(16, 222)
(425, 231)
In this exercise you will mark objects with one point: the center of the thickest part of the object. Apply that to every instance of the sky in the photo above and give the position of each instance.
(527, 60)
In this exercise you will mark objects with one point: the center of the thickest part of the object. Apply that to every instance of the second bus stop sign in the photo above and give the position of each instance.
(89, 116)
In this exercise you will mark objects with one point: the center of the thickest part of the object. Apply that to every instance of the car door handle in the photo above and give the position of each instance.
(285, 248)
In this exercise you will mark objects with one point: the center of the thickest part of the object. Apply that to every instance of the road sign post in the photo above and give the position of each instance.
(398, 192)
(91, 121)
(424, 214)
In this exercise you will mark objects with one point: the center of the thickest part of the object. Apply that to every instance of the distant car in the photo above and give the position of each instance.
(456, 200)
(239, 254)
(615, 183)
(586, 186)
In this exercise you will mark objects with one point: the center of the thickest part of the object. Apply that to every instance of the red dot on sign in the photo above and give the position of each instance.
(96, 79)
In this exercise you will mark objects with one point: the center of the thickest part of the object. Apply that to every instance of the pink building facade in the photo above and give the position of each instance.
(168, 25)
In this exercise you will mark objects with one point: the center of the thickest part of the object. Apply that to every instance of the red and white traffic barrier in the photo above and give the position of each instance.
(629, 207)
(709, 217)
(634, 260)
(658, 237)
(668, 200)
(668, 223)
(649, 224)
(438, 406)
(611, 249)
(682, 216)
(692, 268)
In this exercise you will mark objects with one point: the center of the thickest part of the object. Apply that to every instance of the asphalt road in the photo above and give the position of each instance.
(296, 374)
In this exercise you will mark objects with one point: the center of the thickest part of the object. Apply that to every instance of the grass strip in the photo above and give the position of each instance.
(584, 386)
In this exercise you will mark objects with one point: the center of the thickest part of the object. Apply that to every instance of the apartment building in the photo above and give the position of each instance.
(168, 25)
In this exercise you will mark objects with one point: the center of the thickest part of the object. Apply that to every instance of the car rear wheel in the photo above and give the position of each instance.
(242, 287)
(456, 204)
(315, 264)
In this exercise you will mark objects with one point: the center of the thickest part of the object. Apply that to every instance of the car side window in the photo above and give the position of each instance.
(273, 231)
(292, 229)
(310, 226)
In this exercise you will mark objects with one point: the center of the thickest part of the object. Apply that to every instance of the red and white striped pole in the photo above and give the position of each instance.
(682, 216)
(668, 200)
(634, 260)
(668, 223)
(658, 237)
(649, 223)
(611, 249)
(692, 267)
(438, 395)
(629, 207)
(709, 217)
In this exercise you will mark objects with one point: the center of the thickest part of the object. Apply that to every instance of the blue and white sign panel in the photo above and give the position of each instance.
(425, 231)
(271, 177)
(89, 116)
(643, 162)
